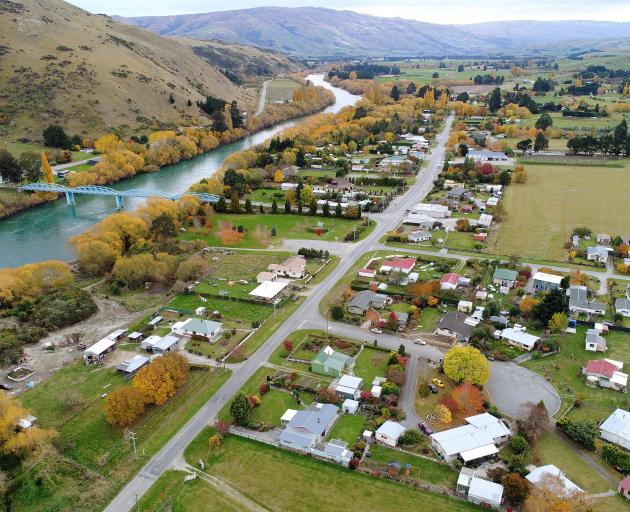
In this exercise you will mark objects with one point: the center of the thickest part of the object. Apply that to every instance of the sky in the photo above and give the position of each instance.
(444, 11)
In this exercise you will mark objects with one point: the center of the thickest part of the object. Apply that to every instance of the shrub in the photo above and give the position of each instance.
(518, 444)
(410, 437)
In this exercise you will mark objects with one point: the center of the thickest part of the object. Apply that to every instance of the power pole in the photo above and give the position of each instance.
(132, 436)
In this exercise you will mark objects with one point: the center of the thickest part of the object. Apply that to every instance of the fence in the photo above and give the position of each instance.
(591, 325)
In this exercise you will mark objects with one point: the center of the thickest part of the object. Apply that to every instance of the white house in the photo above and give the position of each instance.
(349, 386)
(538, 475)
(389, 433)
(479, 491)
(546, 282)
(269, 290)
(598, 253)
(616, 428)
(199, 329)
(200, 311)
(293, 267)
(465, 306)
(519, 339)
(350, 406)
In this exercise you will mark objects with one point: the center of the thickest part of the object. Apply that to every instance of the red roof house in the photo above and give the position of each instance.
(449, 281)
(601, 367)
(624, 488)
(399, 265)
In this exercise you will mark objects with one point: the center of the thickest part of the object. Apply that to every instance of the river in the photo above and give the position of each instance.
(42, 233)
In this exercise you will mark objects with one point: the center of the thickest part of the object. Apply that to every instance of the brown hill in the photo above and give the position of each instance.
(61, 64)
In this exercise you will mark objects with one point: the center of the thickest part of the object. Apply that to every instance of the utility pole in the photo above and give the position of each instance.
(132, 436)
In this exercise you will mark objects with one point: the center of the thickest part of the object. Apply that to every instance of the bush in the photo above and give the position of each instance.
(518, 444)
(57, 308)
(410, 437)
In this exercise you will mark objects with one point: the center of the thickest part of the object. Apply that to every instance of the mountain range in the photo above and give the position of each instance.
(88, 72)
(317, 32)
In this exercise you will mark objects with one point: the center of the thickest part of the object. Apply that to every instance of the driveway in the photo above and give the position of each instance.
(512, 387)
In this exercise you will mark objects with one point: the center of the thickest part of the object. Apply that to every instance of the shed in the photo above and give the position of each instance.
(166, 344)
(97, 351)
(389, 433)
(367, 435)
(376, 391)
(350, 406)
(135, 336)
(287, 416)
(131, 366)
(200, 311)
(485, 493)
(154, 322)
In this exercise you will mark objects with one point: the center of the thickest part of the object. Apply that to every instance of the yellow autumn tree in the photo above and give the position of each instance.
(124, 406)
(278, 177)
(374, 93)
(158, 381)
(107, 143)
(443, 414)
(466, 364)
(46, 169)
(30, 280)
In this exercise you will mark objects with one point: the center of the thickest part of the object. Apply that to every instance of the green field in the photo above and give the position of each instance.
(245, 312)
(542, 213)
(280, 480)
(258, 228)
(280, 90)
(579, 123)
(17, 148)
(348, 428)
(562, 371)
(266, 195)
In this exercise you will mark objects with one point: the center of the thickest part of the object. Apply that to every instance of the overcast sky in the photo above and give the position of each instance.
(444, 11)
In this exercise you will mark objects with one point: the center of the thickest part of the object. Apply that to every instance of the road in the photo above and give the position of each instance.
(61, 167)
(262, 99)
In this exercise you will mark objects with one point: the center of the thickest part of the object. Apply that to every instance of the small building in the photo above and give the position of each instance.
(330, 362)
(594, 342)
(376, 391)
(26, 422)
(199, 329)
(606, 373)
(436, 211)
(404, 265)
(598, 253)
(457, 326)
(546, 282)
(149, 341)
(135, 337)
(479, 491)
(622, 306)
(421, 220)
(287, 416)
(449, 281)
(485, 220)
(519, 339)
(166, 344)
(131, 366)
(350, 406)
(419, 236)
(500, 320)
(504, 277)
(349, 386)
(604, 239)
(293, 267)
(154, 322)
(465, 306)
(389, 433)
(624, 487)
(200, 311)
(367, 436)
(266, 276)
(579, 303)
(539, 475)
(616, 429)
(367, 272)
(482, 156)
(269, 290)
(96, 352)
(365, 300)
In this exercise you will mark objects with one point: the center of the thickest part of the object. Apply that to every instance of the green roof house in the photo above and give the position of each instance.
(329, 362)
(505, 277)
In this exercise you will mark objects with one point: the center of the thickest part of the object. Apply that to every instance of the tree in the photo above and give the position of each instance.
(544, 122)
(235, 114)
(466, 364)
(163, 227)
(274, 207)
(336, 312)
(554, 301)
(312, 207)
(240, 408)
(326, 209)
(55, 136)
(395, 93)
(219, 123)
(518, 444)
(535, 421)
(541, 143)
(338, 210)
(160, 379)
(584, 432)
(287, 207)
(29, 163)
(123, 407)
(515, 488)
(551, 495)
(494, 101)
(410, 437)
(306, 195)
(467, 399)
(443, 414)
(411, 88)
(524, 145)
(248, 206)
(9, 168)
(235, 203)
(278, 177)
(558, 322)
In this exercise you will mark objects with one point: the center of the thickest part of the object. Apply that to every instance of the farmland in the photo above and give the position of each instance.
(542, 213)
(281, 90)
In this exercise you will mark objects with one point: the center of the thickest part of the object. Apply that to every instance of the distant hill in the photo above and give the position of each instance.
(61, 64)
(313, 31)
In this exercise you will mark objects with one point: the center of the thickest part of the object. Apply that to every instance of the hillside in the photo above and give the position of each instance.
(311, 31)
(61, 64)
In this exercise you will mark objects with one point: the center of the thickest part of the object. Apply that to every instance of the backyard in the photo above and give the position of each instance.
(554, 201)
(370, 363)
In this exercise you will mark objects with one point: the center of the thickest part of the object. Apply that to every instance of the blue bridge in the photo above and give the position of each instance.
(97, 190)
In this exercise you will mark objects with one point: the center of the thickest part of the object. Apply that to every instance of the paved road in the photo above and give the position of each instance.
(60, 167)
(263, 98)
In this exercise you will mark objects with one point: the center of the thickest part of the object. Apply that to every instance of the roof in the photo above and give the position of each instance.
(365, 298)
(350, 404)
(456, 322)
(166, 342)
(592, 336)
(391, 429)
(367, 271)
(549, 278)
(520, 337)
(505, 274)
(600, 250)
(462, 439)
(578, 297)
(314, 419)
(499, 319)
(625, 483)
(265, 276)
(539, 473)
(100, 346)
(622, 304)
(135, 335)
(407, 263)
(477, 453)
(133, 364)
(350, 381)
(484, 153)
(602, 367)
(451, 278)
(486, 490)
(337, 448)
(268, 289)
(331, 358)
(490, 424)
(288, 415)
(201, 326)
(431, 207)
(618, 423)
(296, 439)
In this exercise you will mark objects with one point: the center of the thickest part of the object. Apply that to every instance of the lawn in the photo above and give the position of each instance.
(197, 495)
(17, 148)
(70, 402)
(421, 468)
(348, 428)
(242, 312)
(562, 371)
(275, 403)
(370, 363)
(258, 229)
(266, 195)
(281, 480)
(281, 89)
(542, 213)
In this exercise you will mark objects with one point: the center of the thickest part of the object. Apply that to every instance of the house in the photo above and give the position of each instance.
(598, 253)
(350, 406)
(606, 373)
(519, 339)
(404, 265)
(466, 208)
(98, 351)
(485, 220)
(131, 366)
(594, 342)
(293, 267)
(579, 303)
(624, 487)
(365, 300)
(389, 433)
(465, 306)
(330, 362)
(499, 320)
(616, 429)
(449, 281)
(540, 474)
(367, 272)
(603, 239)
(413, 277)
(492, 201)
(482, 155)
(456, 193)
(199, 329)
(269, 290)
(456, 325)
(546, 282)
(437, 211)
(135, 337)
(504, 277)
(266, 276)
(622, 305)
(421, 220)
(419, 236)
(471, 442)
(479, 491)
(349, 386)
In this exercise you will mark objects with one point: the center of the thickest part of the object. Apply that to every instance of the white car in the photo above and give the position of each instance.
(420, 342)
(376, 331)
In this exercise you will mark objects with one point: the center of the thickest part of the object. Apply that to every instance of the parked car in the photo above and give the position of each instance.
(376, 331)
(438, 383)
(6, 387)
(425, 428)
(420, 342)
(433, 388)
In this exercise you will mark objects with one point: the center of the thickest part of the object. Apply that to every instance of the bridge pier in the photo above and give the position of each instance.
(120, 202)
(70, 198)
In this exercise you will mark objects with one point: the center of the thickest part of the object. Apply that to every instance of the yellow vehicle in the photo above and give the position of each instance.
(438, 383)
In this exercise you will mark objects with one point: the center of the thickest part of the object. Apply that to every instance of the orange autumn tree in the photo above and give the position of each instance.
(46, 169)
(124, 407)
(158, 381)
(467, 399)
(228, 235)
